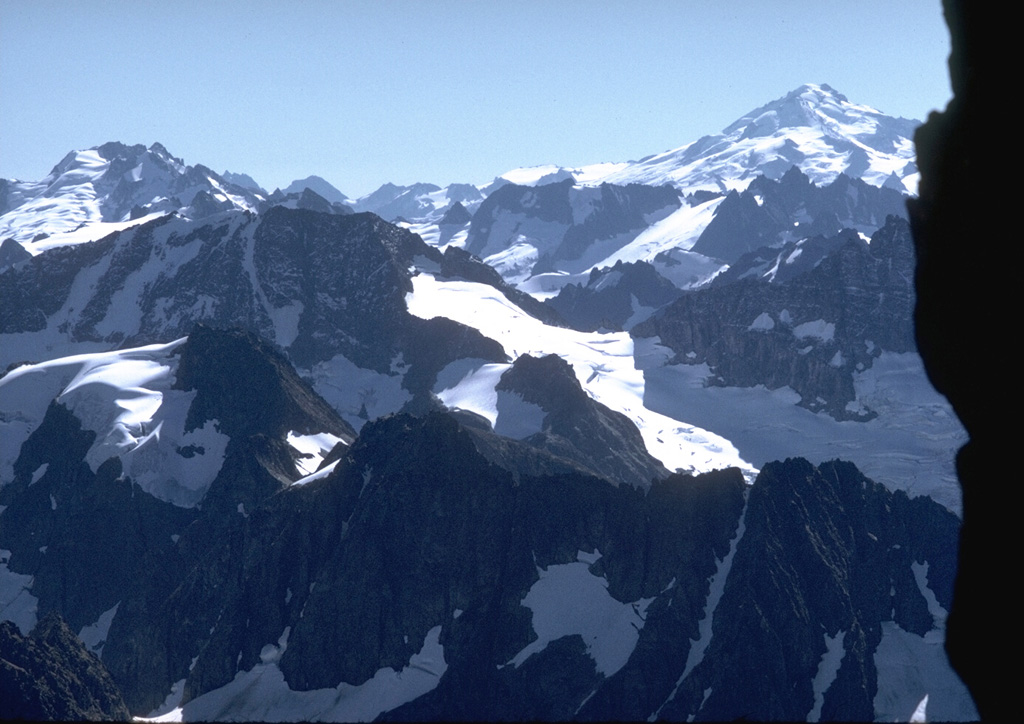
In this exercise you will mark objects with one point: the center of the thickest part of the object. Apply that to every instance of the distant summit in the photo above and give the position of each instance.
(115, 183)
(319, 186)
(245, 181)
(814, 127)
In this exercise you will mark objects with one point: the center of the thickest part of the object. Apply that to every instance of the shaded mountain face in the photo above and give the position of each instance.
(811, 332)
(392, 202)
(11, 252)
(245, 181)
(418, 202)
(455, 215)
(318, 186)
(769, 213)
(305, 199)
(523, 230)
(614, 298)
(604, 442)
(872, 570)
(318, 285)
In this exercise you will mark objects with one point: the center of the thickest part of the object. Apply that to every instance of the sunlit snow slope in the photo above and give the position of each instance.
(603, 364)
(110, 184)
(126, 398)
(690, 426)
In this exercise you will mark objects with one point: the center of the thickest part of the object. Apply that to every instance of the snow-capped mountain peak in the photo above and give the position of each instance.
(112, 184)
(319, 186)
(827, 111)
(813, 127)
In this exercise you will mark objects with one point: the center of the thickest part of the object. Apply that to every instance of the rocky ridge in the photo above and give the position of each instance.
(429, 541)
(811, 332)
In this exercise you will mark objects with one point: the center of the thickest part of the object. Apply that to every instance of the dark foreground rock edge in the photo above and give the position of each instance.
(954, 291)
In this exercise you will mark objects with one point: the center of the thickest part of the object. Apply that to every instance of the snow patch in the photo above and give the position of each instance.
(356, 393)
(819, 329)
(603, 364)
(311, 449)
(39, 472)
(319, 474)
(566, 600)
(468, 384)
(828, 670)
(17, 604)
(94, 636)
(515, 263)
(908, 446)
(126, 397)
(170, 709)
(911, 667)
(763, 323)
(262, 694)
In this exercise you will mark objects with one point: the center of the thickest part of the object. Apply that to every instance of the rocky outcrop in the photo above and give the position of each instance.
(49, 675)
(86, 537)
(811, 332)
(614, 298)
(250, 388)
(317, 284)
(416, 530)
(567, 226)
(99, 548)
(598, 439)
(826, 556)
(769, 212)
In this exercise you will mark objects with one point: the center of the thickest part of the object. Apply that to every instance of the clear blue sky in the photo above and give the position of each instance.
(367, 92)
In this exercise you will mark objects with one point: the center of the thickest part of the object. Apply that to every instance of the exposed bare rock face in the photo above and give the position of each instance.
(49, 675)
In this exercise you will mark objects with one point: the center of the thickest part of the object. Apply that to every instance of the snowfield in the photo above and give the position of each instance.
(603, 364)
(568, 600)
(909, 446)
(694, 427)
(262, 694)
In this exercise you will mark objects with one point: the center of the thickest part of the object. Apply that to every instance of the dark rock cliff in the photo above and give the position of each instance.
(577, 218)
(614, 298)
(578, 428)
(770, 212)
(49, 675)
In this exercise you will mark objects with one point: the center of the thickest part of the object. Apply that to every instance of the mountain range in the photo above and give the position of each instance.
(626, 441)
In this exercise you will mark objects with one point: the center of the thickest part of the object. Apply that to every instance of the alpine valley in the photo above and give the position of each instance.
(631, 441)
